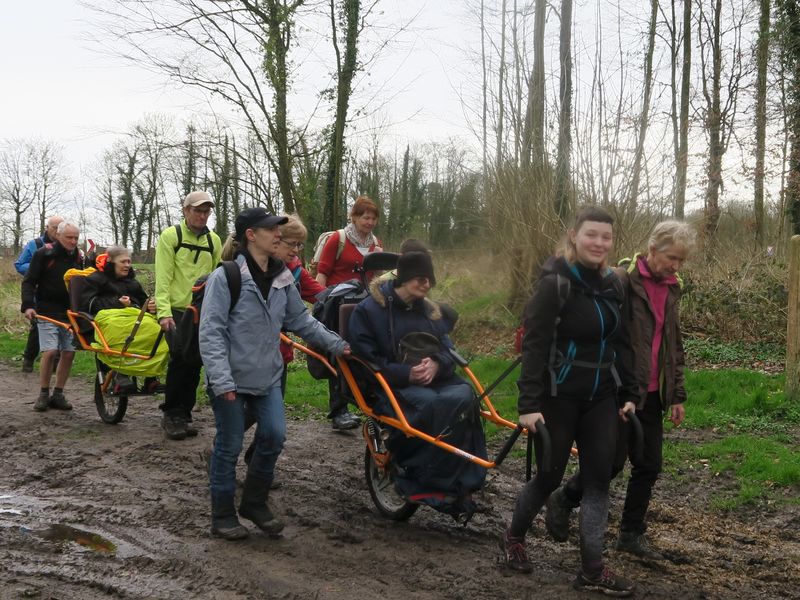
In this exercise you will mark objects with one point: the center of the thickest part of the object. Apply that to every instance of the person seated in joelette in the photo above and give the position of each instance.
(406, 334)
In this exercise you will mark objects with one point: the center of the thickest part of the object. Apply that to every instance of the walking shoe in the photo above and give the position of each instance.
(605, 582)
(637, 544)
(174, 427)
(556, 520)
(27, 365)
(345, 420)
(191, 431)
(59, 402)
(42, 402)
(515, 557)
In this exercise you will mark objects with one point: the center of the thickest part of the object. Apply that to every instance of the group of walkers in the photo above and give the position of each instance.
(600, 344)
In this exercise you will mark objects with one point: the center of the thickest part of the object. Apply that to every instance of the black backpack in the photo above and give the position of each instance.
(186, 339)
(326, 310)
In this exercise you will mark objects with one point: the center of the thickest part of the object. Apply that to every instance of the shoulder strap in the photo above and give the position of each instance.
(342, 239)
(210, 243)
(563, 287)
(179, 231)
(39, 242)
(234, 278)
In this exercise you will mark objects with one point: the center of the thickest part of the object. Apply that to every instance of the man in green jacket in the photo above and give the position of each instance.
(184, 253)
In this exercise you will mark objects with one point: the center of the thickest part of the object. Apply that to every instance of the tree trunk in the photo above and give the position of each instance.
(714, 126)
(645, 114)
(346, 67)
(533, 148)
(563, 187)
(500, 96)
(683, 126)
(762, 57)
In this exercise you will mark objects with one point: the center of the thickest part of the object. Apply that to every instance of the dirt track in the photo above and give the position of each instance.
(147, 499)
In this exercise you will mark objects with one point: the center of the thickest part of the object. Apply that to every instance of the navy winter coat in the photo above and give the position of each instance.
(370, 333)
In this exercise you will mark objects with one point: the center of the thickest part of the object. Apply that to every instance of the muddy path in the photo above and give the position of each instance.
(138, 506)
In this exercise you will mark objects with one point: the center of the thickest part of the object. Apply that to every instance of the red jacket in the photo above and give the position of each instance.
(308, 288)
(342, 269)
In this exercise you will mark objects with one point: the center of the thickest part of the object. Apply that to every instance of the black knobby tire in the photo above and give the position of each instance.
(110, 408)
(381, 487)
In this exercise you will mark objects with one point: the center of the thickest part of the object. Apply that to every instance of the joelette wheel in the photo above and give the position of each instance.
(111, 408)
(381, 487)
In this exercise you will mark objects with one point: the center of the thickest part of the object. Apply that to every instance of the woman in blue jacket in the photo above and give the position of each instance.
(385, 329)
(240, 348)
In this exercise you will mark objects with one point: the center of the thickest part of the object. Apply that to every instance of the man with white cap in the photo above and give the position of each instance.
(184, 253)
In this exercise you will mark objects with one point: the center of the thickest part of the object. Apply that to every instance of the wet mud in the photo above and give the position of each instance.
(93, 511)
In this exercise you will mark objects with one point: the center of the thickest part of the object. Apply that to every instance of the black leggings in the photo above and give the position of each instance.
(644, 473)
(593, 426)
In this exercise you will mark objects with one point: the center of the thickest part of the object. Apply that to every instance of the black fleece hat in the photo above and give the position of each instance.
(257, 216)
(414, 264)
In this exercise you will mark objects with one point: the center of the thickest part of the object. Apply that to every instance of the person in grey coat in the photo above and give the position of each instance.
(240, 348)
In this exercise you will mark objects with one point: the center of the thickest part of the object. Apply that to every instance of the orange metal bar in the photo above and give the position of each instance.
(400, 422)
(285, 338)
(106, 349)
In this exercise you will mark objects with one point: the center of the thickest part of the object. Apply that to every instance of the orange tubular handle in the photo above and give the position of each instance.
(73, 327)
(285, 338)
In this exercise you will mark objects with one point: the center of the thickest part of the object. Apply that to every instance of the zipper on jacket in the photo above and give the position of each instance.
(602, 349)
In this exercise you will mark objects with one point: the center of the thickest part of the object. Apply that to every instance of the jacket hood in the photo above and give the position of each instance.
(383, 291)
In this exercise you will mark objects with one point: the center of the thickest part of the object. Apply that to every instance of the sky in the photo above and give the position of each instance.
(61, 85)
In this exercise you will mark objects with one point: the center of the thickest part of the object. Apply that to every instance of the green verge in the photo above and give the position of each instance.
(751, 426)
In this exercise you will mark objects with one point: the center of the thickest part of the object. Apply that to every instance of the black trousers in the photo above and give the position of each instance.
(593, 427)
(337, 400)
(183, 378)
(32, 346)
(643, 474)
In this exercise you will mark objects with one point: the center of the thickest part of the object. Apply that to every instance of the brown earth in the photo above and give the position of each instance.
(138, 506)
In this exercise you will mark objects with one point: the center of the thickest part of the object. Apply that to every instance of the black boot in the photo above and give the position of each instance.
(254, 507)
(556, 520)
(224, 523)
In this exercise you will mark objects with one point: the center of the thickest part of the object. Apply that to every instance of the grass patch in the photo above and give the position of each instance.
(739, 400)
(762, 469)
(710, 351)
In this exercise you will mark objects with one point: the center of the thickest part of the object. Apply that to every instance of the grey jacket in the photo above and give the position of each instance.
(240, 350)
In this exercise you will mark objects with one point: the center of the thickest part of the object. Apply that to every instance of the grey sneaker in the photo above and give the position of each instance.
(515, 556)
(42, 402)
(637, 544)
(606, 582)
(59, 402)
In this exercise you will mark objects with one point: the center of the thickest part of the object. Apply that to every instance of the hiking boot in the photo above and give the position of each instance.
(605, 582)
(191, 430)
(636, 544)
(224, 523)
(174, 427)
(42, 402)
(123, 384)
(345, 420)
(59, 402)
(254, 505)
(515, 557)
(27, 365)
(556, 520)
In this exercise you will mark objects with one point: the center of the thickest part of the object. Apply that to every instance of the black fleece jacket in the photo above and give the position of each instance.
(43, 287)
(103, 289)
(568, 350)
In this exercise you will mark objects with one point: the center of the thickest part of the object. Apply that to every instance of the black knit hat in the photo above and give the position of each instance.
(414, 264)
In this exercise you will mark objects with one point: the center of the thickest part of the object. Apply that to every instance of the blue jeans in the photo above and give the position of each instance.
(270, 435)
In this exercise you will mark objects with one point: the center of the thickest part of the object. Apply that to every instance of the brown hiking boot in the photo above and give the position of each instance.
(42, 402)
(606, 582)
(637, 544)
(515, 557)
(59, 402)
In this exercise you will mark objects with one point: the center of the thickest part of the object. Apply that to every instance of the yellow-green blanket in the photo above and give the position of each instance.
(116, 324)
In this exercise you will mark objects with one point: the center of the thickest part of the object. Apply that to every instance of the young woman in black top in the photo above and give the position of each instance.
(574, 354)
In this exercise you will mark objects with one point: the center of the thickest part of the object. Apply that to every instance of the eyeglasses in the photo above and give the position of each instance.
(201, 211)
(294, 245)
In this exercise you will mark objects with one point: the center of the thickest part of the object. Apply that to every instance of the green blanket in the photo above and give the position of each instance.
(116, 324)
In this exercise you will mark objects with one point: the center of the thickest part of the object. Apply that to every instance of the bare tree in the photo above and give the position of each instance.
(762, 56)
(563, 170)
(682, 156)
(644, 117)
(17, 186)
(533, 150)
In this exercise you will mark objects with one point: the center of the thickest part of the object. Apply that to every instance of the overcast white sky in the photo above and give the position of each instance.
(57, 84)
